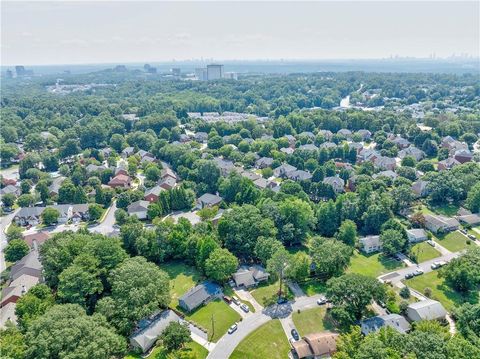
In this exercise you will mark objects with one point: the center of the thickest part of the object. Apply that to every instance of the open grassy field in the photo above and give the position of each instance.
(160, 353)
(268, 341)
(267, 294)
(313, 287)
(182, 278)
(440, 291)
(372, 264)
(453, 241)
(312, 321)
(216, 317)
(424, 252)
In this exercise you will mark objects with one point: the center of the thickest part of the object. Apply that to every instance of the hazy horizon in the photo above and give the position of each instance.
(77, 33)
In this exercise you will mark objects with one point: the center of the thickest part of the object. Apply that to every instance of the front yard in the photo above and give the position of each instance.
(191, 349)
(440, 291)
(372, 265)
(424, 252)
(215, 317)
(312, 287)
(267, 294)
(312, 321)
(453, 241)
(268, 341)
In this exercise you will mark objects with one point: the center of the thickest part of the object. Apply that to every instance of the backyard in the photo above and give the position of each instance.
(423, 252)
(311, 321)
(372, 264)
(182, 278)
(440, 291)
(266, 294)
(453, 241)
(216, 317)
(268, 341)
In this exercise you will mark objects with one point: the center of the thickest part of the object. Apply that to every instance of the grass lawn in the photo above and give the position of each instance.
(159, 352)
(268, 341)
(223, 317)
(311, 321)
(440, 291)
(182, 278)
(372, 264)
(424, 252)
(267, 294)
(228, 291)
(475, 233)
(453, 241)
(448, 210)
(313, 287)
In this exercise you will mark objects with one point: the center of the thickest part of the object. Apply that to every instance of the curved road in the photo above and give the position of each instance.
(227, 344)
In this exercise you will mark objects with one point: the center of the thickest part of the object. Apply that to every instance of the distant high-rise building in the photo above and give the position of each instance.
(230, 75)
(20, 70)
(201, 74)
(214, 72)
(9, 74)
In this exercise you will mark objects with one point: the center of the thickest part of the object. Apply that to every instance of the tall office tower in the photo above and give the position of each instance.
(214, 72)
(201, 74)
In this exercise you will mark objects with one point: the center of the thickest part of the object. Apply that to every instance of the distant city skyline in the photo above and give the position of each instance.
(49, 33)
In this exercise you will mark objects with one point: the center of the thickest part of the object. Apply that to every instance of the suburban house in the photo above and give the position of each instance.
(447, 164)
(327, 134)
(469, 219)
(412, 151)
(420, 188)
(208, 200)
(370, 244)
(127, 152)
(201, 137)
(250, 276)
(388, 174)
(328, 145)
(65, 212)
(299, 175)
(121, 169)
(139, 209)
(35, 240)
(199, 295)
(365, 134)
(416, 235)
(394, 321)
(149, 329)
(225, 166)
(440, 224)
(308, 147)
(95, 168)
(317, 345)
(167, 183)
(264, 162)
(463, 155)
(426, 310)
(400, 142)
(168, 172)
(152, 194)
(55, 186)
(337, 183)
(120, 181)
(263, 183)
(345, 133)
(252, 176)
(10, 189)
(287, 150)
(283, 170)
(80, 212)
(28, 216)
(385, 163)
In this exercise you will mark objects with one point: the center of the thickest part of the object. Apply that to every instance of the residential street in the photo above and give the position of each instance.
(107, 225)
(4, 223)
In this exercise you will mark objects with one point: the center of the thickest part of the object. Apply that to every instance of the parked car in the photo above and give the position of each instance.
(232, 329)
(472, 237)
(322, 300)
(409, 275)
(291, 340)
(227, 299)
(418, 271)
(236, 300)
(245, 308)
(464, 231)
(295, 334)
(432, 243)
(436, 265)
(282, 300)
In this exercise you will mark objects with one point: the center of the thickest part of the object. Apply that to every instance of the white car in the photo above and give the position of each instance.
(245, 308)
(232, 329)
(322, 300)
(418, 272)
(432, 243)
(235, 300)
(436, 265)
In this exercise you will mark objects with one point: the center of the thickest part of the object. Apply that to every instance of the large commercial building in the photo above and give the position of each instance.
(214, 72)
(201, 74)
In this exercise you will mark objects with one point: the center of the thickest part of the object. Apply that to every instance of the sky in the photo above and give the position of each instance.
(81, 32)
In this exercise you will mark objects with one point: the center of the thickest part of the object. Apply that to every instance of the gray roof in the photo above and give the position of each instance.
(469, 219)
(151, 328)
(199, 294)
(308, 147)
(26, 212)
(283, 169)
(9, 189)
(56, 184)
(299, 175)
(211, 199)
(394, 321)
(426, 310)
(416, 233)
(154, 190)
(30, 264)
(138, 206)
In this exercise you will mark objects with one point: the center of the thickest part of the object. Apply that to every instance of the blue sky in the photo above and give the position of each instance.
(122, 31)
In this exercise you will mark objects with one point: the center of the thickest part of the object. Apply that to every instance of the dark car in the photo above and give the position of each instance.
(409, 275)
(295, 334)
(282, 301)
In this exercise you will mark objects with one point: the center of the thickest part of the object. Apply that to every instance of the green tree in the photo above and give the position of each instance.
(12, 343)
(299, 267)
(14, 232)
(16, 249)
(33, 304)
(50, 216)
(463, 273)
(473, 198)
(392, 241)
(220, 265)
(330, 257)
(327, 219)
(347, 233)
(8, 199)
(95, 211)
(66, 330)
(138, 289)
(354, 292)
(265, 247)
(277, 266)
(175, 336)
